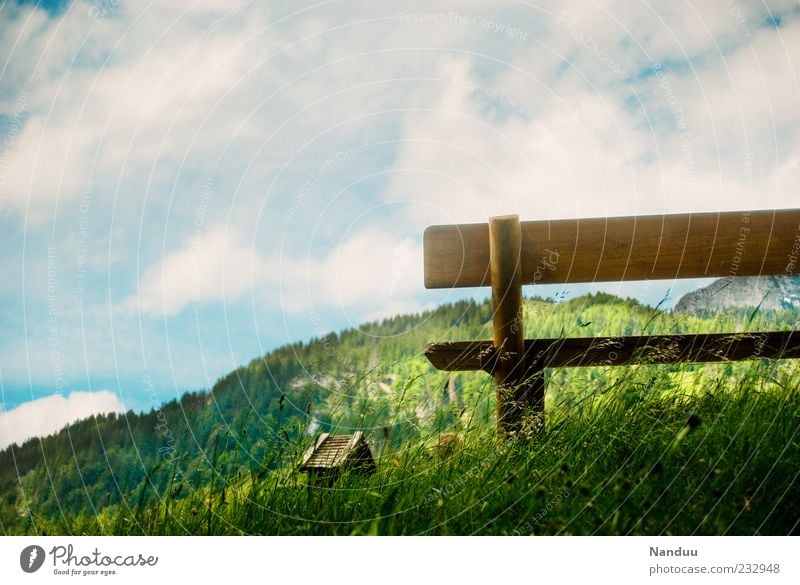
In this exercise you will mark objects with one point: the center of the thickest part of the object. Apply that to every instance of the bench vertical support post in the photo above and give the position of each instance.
(518, 391)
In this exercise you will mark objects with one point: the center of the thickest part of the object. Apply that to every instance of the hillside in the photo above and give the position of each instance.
(129, 473)
(767, 292)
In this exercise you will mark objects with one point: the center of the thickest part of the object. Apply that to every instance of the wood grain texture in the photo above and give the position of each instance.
(618, 351)
(506, 273)
(743, 243)
(514, 395)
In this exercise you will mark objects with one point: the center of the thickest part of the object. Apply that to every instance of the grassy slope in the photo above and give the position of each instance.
(721, 460)
(642, 450)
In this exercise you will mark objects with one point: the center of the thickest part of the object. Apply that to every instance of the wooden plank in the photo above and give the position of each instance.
(618, 351)
(312, 449)
(461, 356)
(742, 243)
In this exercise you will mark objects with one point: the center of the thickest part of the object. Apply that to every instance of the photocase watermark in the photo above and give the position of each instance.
(613, 345)
(454, 486)
(740, 247)
(80, 240)
(528, 527)
(402, 256)
(748, 173)
(317, 174)
(95, 562)
(705, 295)
(53, 338)
(744, 229)
(793, 255)
(328, 344)
(568, 22)
(489, 25)
(102, 9)
(206, 195)
(328, 340)
(167, 451)
(186, 52)
(342, 363)
(31, 558)
(499, 96)
(739, 17)
(67, 561)
(680, 124)
(14, 126)
(548, 262)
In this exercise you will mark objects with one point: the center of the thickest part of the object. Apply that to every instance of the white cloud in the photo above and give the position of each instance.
(576, 157)
(367, 275)
(460, 122)
(45, 416)
(212, 266)
(588, 143)
(113, 101)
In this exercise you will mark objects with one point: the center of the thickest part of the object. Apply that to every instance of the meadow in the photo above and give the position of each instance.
(651, 449)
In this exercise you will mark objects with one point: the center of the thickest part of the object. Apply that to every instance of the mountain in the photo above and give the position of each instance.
(257, 420)
(766, 292)
(252, 419)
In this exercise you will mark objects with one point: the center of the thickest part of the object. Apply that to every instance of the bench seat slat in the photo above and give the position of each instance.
(626, 350)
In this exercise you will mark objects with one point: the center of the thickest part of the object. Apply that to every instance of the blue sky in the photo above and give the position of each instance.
(186, 185)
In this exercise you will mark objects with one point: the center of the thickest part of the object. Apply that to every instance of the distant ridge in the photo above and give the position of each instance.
(768, 292)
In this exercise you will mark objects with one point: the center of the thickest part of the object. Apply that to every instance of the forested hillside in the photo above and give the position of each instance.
(252, 426)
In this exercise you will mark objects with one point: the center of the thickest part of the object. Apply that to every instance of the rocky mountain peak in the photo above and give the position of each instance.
(770, 292)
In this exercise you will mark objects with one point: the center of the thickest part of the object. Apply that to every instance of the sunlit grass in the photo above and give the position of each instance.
(646, 456)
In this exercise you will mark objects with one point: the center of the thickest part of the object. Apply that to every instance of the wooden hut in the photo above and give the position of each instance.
(331, 454)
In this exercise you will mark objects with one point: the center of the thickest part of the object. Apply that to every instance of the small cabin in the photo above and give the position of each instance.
(330, 454)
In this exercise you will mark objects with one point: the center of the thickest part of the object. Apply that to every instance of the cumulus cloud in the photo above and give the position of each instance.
(589, 142)
(108, 101)
(210, 266)
(45, 416)
(479, 151)
(367, 275)
(458, 110)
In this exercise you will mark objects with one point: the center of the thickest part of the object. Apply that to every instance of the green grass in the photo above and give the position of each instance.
(659, 450)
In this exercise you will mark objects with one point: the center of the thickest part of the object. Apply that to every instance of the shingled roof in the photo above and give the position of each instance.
(331, 453)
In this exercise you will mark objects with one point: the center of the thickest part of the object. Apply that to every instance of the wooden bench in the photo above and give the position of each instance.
(507, 253)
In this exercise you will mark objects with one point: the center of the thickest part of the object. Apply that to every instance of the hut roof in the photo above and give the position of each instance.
(335, 451)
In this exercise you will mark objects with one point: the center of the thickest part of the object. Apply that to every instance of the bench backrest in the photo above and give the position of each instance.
(696, 245)
(507, 253)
